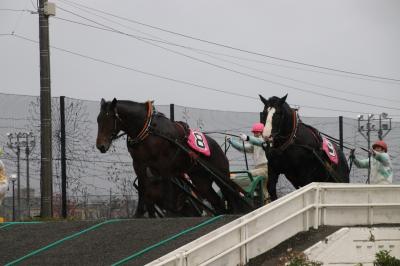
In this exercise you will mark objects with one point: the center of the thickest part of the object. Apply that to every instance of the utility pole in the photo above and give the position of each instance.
(385, 124)
(341, 132)
(16, 141)
(13, 179)
(378, 123)
(64, 210)
(29, 143)
(172, 112)
(46, 179)
(15, 145)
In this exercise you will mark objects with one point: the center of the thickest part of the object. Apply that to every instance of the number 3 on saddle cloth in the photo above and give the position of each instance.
(198, 142)
(330, 150)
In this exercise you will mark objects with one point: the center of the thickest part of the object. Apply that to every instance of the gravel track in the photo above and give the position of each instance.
(112, 242)
(105, 245)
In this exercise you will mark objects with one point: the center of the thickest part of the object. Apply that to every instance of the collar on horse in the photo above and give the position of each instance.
(292, 134)
(146, 127)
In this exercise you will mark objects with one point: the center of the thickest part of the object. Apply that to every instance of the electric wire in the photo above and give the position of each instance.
(173, 79)
(235, 71)
(207, 53)
(239, 49)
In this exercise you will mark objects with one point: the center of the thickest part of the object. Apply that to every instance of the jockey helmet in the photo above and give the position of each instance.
(382, 144)
(257, 128)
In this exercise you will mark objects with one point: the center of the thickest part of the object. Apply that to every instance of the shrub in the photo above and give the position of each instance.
(382, 258)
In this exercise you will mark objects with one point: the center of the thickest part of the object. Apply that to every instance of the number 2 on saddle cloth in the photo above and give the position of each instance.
(198, 142)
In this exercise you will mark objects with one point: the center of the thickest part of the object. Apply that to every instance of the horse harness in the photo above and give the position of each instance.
(292, 134)
(146, 126)
(291, 141)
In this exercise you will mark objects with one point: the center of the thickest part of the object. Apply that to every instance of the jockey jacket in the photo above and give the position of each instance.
(381, 168)
(254, 146)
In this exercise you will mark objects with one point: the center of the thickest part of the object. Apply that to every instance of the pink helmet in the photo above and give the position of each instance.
(257, 128)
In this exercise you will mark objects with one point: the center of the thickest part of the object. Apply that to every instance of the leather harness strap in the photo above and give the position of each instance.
(292, 134)
(145, 130)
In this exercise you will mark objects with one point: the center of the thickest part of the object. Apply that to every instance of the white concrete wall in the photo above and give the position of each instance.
(311, 206)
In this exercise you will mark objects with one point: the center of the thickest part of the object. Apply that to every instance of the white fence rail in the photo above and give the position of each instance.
(311, 206)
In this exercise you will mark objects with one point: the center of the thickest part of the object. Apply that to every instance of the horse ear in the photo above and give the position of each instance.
(283, 99)
(102, 102)
(265, 101)
(114, 103)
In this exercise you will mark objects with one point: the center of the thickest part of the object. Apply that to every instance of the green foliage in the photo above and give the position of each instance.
(382, 258)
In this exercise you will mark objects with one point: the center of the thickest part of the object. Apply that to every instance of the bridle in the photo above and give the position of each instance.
(144, 132)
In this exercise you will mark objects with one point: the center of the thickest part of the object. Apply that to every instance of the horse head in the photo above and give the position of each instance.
(278, 117)
(108, 126)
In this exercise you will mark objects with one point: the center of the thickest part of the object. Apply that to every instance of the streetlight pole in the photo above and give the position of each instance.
(13, 178)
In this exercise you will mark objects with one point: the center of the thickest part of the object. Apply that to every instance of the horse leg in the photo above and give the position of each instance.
(140, 207)
(141, 175)
(205, 190)
(151, 210)
(271, 183)
(185, 203)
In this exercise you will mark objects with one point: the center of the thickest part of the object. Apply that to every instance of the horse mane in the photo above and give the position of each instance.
(128, 103)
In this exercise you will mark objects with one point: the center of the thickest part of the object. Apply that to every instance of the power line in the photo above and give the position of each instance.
(173, 79)
(16, 10)
(232, 70)
(204, 52)
(239, 49)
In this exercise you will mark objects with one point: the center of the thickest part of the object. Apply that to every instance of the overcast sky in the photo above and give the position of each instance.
(212, 54)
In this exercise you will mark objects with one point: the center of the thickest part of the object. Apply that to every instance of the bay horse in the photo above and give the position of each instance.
(295, 149)
(158, 145)
(167, 196)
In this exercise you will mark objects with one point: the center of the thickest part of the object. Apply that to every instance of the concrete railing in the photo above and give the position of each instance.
(311, 206)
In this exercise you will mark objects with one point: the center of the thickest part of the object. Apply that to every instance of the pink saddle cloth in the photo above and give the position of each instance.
(198, 142)
(330, 150)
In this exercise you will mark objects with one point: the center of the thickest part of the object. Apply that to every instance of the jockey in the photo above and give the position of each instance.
(253, 144)
(381, 166)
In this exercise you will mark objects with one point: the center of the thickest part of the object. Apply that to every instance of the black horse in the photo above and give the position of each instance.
(295, 149)
(158, 145)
